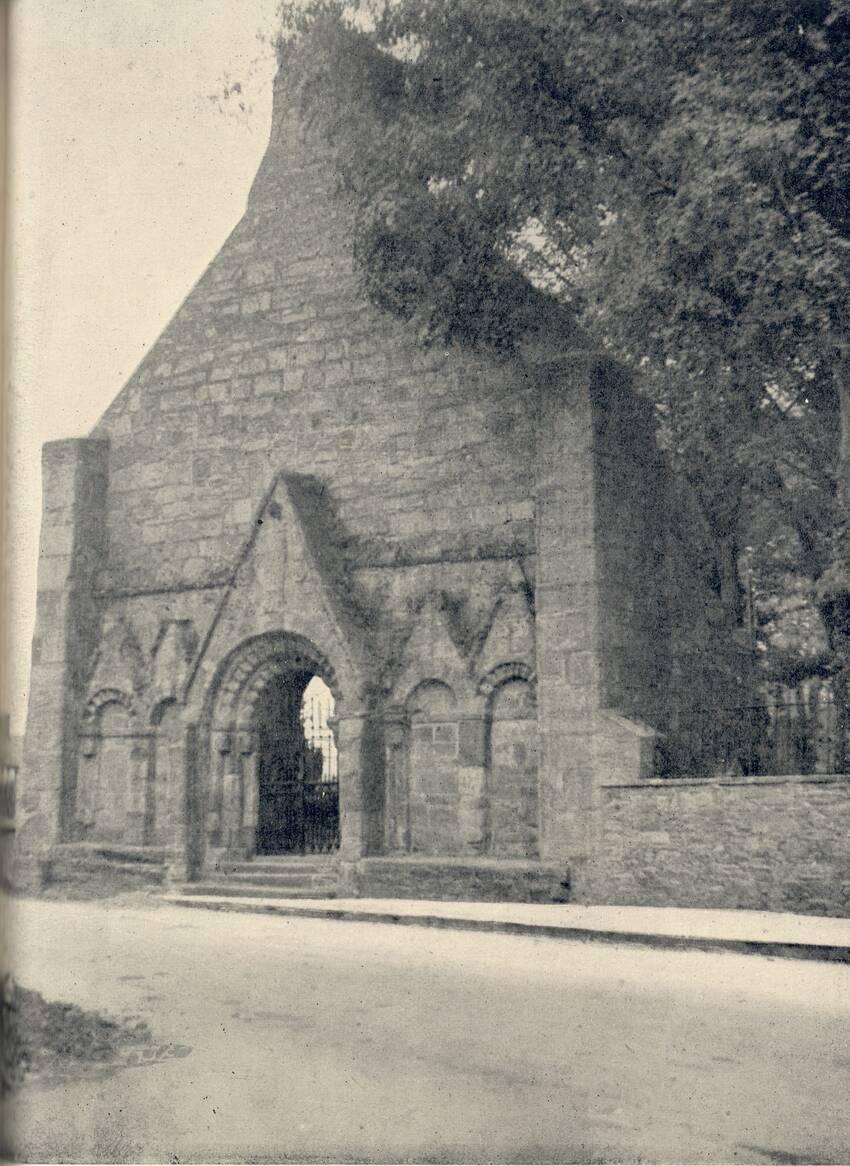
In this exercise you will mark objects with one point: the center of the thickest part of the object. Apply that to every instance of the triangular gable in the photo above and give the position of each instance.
(511, 634)
(430, 653)
(323, 538)
(279, 584)
(120, 662)
(172, 655)
(481, 601)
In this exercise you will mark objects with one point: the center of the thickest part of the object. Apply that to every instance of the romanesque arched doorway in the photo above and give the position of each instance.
(273, 780)
(297, 779)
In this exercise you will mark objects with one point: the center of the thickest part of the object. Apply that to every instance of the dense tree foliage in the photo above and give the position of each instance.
(678, 173)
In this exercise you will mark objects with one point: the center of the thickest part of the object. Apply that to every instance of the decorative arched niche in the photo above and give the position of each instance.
(112, 777)
(433, 779)
(511, 784)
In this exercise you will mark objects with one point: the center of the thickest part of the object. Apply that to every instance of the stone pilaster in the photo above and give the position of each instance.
(73, 543)
(599, 651)
(183, 808)
(355, 803)
(567, 615)
(397, 797)
(472, 784)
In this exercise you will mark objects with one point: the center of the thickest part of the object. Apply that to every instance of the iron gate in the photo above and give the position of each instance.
(298, 811)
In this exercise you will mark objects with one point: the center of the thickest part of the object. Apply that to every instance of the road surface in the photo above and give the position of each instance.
(312, 1040)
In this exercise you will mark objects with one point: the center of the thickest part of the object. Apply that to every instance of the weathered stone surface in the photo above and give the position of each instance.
(466, 549)
(511, 881)
(775, 844)
(68, 615)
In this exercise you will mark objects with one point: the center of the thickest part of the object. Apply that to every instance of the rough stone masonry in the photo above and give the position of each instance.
(467, 550)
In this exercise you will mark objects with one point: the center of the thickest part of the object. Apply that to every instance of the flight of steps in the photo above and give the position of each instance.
(272, 876)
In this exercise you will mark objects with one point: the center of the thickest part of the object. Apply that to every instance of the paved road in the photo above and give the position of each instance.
(314, 1040)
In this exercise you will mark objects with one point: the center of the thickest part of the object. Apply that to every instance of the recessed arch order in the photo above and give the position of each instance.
(245, 672)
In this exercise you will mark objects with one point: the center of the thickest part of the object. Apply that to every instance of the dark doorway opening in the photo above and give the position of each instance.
(298, 795)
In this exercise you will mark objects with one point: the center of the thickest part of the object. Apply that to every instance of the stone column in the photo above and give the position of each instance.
(73, 548)
(219, 762)
(139, 791)
(361, 785)
(237, 777)
(181, 814)
(250, 792)
(87, 781)
(349, 735)
(397, 803)
(472, 783)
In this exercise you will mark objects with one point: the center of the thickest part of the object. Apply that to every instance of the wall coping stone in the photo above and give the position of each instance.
(392, 560)
(765, 780)
(629, 724)
(164, 589)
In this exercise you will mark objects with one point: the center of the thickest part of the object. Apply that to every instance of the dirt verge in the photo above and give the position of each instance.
(39, 1036)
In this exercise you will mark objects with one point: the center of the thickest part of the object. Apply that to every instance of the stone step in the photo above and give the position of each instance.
(282, 879)
(256, 891)
(293, 859)
(302, 868)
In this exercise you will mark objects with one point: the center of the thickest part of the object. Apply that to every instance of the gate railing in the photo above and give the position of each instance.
(320, 791)
(321, 816)
(801, 733)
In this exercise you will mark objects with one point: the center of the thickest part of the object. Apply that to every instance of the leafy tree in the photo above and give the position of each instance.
(677, 173)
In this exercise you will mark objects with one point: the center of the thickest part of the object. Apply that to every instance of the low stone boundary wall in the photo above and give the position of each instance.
(763, 843)
(489, 880)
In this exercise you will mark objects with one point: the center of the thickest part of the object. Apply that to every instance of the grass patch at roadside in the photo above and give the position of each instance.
(39, 1036)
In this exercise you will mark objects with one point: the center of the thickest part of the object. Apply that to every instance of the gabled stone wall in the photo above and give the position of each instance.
(275, 362)
(460, 545)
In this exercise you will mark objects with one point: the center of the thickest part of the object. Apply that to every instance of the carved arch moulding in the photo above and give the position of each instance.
(502, 673)
(103, 697)
(246, 670)
(431, 692)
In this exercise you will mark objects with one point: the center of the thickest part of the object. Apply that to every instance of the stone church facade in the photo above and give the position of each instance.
(463, 549)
